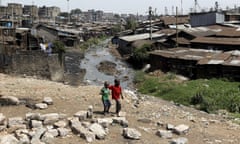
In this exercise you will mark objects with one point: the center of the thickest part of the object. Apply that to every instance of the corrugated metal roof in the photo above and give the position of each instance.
(132, 38)
(168, 20)
(218, 58)
(217, 40)
(185, 53)
(229, 32)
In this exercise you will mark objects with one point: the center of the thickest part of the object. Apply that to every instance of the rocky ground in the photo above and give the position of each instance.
(150, 120)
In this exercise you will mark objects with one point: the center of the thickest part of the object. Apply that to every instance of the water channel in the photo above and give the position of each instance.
(97, 54)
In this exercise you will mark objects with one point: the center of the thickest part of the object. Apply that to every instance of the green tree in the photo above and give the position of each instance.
(116, 28)
(131, 23)
(59, 47)
(63, 14)
(76, 11)
(140, 55)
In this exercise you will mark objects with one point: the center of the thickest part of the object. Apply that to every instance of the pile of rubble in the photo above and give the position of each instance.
(43, 128)
(37, 128)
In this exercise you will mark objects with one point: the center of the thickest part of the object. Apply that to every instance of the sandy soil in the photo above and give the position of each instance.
(142, 114)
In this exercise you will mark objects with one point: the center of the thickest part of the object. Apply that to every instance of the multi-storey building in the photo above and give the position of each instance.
(15, 10)
(3, 12)
(53, 12)
(31, 11)
(48, 13)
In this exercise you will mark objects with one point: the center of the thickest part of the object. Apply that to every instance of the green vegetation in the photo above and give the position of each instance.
(140, 55)
(207, 95)
(91, 42)
(131, 23)
(116, 28)
(58, 47)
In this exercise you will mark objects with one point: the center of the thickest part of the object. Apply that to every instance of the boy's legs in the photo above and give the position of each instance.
(108, 105)
(104, 106)
(118, 107)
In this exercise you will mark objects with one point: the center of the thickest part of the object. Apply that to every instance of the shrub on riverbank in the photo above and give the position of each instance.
(92, 41)
(208, 95)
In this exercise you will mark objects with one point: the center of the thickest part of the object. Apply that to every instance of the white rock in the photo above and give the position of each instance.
(8, 139)
(82, 115)
(170, 127)
(50, 118)
(48, 100)
(23, 139)
(82, 131)
(41, 106)
(32, 116)
(54, 132)
(131, 133)
(2, 119)
(63, 131)
(98, 130)
(122, 114)
(164, 134)
(38, 133)
(47, 137)
(9, 100)
(181, 140)
(181, 129)
(36, 124)
(60, 124)
(105, 122)
(15, 121)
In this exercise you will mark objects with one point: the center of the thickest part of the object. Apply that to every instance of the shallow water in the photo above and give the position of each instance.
(100, 53)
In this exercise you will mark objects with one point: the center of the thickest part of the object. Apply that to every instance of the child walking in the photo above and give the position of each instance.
(105, 92)
(117, 94)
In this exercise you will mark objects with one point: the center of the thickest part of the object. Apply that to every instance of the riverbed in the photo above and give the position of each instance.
(97, 54)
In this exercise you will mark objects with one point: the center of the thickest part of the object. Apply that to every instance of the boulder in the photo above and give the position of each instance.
(105, 122)
(9, 100)
(131, 133)
(36, 124)
(181, 129)
(54, 132)
(41, 106)
(60, 124)
(47, 137)
(48, 100)
(180, 140)
(63, 131)
(50, 119)
(82, 115)
(8, 139)
(32, 116)
(2, 119)
(98, 130)
(15, 121)
(164, 134)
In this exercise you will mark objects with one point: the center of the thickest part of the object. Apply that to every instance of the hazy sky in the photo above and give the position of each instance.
(127, 6)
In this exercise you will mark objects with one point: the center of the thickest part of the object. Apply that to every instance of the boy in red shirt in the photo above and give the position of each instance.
(116, 94)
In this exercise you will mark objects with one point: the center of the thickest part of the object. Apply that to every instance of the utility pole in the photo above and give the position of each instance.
(176, 26)
(32, 12)
(150, 18)
(181, 8)
(68, 11)
(12, 17)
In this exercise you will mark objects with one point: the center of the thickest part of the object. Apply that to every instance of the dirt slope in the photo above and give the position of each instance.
(143, 113)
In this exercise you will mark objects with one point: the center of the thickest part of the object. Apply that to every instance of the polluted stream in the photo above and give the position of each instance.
(101, 65)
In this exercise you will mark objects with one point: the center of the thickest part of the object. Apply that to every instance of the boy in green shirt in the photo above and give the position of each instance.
(105, 92)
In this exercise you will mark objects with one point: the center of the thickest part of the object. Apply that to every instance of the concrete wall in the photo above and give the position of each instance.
(37, 63)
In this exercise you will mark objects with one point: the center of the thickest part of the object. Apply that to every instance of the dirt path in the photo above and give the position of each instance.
(143, 114)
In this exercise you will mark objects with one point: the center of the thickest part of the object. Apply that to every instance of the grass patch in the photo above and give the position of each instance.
(208, 95)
